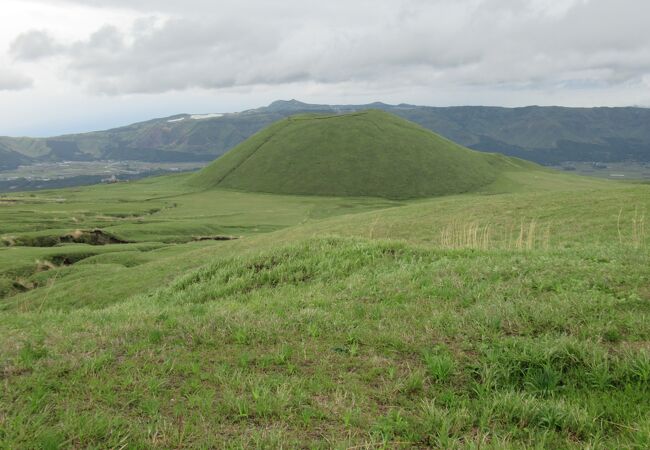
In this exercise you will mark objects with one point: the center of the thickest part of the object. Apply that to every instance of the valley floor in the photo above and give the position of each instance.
(512, 318)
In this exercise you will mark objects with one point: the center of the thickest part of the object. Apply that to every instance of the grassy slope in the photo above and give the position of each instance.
(150, 211)
(371, 328)
(330, 155)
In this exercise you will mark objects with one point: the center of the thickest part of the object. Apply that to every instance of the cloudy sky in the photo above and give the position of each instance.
(79, 65)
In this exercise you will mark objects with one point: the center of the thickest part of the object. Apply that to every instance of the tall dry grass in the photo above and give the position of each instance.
(527, 235)
(472, 235)
(636, 237)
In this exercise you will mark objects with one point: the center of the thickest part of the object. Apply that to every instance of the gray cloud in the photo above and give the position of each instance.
(13, 81)
(498, 43)
(34, 45)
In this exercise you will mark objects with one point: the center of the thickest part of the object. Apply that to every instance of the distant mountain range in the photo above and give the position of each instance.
(547, 135)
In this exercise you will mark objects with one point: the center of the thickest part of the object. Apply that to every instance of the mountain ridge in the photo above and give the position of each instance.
(543, 134)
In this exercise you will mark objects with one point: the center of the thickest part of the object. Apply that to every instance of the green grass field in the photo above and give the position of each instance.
(516, 316)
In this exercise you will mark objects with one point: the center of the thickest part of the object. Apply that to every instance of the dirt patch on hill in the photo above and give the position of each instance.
(90, 237)
(214, 238)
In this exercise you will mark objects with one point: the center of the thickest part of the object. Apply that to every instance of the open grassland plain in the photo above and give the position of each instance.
(516, 316)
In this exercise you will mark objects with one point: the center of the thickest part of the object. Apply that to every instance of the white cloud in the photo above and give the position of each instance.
(469, 42)
(507, 52)
(33, 45)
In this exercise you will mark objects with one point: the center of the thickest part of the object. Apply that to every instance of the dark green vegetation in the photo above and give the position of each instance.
(548, 135)
(515, 316)
(370, 153)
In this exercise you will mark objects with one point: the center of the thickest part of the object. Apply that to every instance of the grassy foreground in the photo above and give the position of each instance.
(513, 318)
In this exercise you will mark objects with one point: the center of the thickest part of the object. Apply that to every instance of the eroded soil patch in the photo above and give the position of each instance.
(90, 237)
(215, 238)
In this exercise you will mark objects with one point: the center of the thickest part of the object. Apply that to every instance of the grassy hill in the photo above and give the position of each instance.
(370, 153)
(514, 316)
